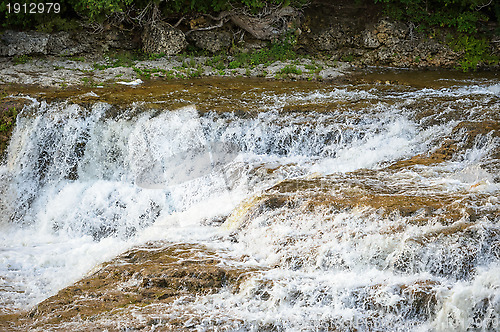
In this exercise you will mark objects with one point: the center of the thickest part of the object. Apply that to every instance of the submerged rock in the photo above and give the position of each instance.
(465, 136)
(143, 277)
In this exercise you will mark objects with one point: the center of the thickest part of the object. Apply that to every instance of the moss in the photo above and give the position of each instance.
(21, 59)
(8, 115)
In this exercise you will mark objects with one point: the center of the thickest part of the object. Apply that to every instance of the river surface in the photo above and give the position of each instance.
(367, 205)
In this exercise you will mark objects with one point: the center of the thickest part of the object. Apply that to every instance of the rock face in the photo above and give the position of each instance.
(19, 43)
(355, 32)
(63, 43)
(358, 33)
(15, 43)
(163, 38)
(211, 41)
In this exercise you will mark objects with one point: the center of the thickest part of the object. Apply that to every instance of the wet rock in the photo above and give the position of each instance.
(7, 105)
(465, 135)
(163, 38)
(415, 300)
(212, 41)
(468, 132)
(444, 153)
(453, 251)
(150, 275)
(335, 194)
(253, 208)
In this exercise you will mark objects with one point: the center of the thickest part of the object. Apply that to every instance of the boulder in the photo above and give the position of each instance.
(161, 37)
(212, 41)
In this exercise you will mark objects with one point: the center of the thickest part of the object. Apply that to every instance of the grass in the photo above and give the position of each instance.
(21, 59)
(277, 51)
(290, 69)
(288, 72)
(120, 59)
(77, 58)
(220, 64)
(348, 58)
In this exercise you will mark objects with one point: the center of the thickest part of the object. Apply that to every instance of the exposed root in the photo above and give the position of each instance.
(267, 25)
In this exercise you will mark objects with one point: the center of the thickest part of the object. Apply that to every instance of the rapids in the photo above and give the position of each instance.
(369, 205)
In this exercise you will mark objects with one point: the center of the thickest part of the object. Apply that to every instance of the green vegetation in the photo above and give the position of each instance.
(475, 51)
(463, 15)
(281, 50)
(288, 72)
(289, 69)
(89, 82)
(21, 59)
(348, 58)
(462, 21)
(278, 51)
(8, 117)
(462, 24)
(120, 59)
(100, 10)
(313, 67)
(58, 23)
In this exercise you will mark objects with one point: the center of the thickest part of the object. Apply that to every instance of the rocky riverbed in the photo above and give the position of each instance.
(369, 203)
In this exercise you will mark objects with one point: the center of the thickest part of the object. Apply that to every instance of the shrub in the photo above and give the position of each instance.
(99, 10)
(462, 15)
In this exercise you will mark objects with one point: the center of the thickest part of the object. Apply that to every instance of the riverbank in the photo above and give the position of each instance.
(321, 41)
(60, 72)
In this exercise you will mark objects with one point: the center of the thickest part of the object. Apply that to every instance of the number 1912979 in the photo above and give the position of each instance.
(34, 8)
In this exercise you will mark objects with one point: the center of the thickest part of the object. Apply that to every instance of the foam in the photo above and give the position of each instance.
(77, 194)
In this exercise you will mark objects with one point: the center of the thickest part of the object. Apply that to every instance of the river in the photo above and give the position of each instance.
(370, 204)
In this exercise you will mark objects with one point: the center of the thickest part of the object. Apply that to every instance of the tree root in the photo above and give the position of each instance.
(268, 26)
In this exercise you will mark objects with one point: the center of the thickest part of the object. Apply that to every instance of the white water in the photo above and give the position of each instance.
(79, 187)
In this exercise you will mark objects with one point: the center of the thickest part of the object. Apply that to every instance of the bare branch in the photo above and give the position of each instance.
(479, 7)
(179, 21)
(218, 25)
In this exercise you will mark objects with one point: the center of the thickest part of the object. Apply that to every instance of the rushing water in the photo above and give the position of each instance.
(369, 206)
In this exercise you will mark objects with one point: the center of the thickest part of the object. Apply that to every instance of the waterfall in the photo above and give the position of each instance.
(365, 208)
